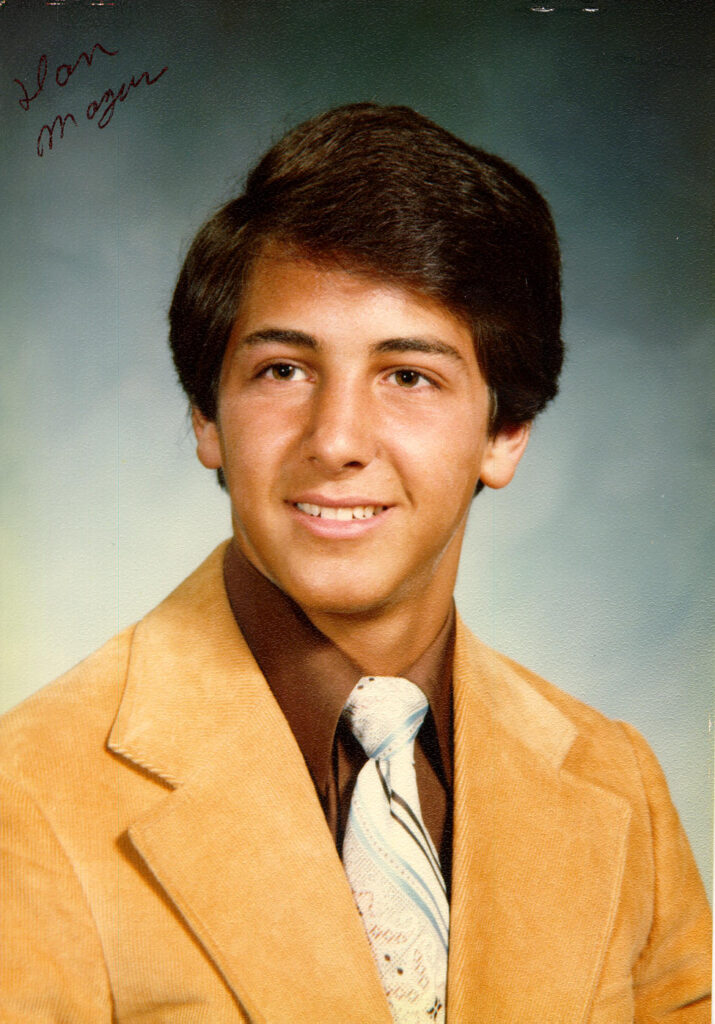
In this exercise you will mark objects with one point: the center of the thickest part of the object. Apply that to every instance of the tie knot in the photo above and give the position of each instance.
(385, 714)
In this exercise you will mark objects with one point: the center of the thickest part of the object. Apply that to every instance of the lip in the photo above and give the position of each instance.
(337, 528)
(343, 501)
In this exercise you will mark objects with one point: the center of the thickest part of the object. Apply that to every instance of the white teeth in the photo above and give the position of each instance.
(344, 513)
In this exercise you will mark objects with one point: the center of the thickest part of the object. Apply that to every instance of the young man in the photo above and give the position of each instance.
(224, 815)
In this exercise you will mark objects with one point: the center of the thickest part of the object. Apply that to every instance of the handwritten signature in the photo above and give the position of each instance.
(104, 106)
(110, 98)
(63, 71)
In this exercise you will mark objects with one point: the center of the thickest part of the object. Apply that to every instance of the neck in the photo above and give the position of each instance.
(387, 641)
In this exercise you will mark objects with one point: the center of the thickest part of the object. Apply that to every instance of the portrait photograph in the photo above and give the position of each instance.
(136, 443)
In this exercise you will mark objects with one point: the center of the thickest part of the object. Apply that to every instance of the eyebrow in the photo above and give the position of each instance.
(429, 345)
(279, 336)
(286, 336)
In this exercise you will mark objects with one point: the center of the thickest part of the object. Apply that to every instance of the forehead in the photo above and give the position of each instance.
(287, 290)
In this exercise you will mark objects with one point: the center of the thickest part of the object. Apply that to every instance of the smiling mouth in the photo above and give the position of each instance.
(343, 513)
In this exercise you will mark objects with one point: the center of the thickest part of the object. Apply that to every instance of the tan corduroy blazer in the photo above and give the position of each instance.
(165, 857)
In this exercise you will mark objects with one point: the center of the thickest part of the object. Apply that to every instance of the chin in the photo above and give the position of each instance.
(335, 596)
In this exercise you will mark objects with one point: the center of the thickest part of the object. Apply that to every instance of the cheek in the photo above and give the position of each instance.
(446, 457)
(255, 445)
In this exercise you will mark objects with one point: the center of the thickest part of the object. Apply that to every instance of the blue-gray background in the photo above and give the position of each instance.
(593, 567)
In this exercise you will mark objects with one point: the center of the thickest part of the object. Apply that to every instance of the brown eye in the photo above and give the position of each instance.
(410, 379)
(407, 378)
(284, 371)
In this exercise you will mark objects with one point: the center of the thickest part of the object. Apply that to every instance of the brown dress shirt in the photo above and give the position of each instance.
(311, 679)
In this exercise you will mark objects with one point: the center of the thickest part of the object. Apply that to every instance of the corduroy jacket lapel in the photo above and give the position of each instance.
(538, 854)
(240, 847)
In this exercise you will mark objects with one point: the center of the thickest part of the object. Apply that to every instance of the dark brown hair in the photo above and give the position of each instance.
(385, 191)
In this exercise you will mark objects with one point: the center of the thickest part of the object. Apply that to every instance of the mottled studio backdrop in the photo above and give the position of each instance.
(594, 568)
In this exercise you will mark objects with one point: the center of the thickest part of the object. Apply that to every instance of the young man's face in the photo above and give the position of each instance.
(352, 429)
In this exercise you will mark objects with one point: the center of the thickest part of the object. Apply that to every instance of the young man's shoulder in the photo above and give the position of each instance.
(67, 722)
(68, 718)
(549, 718)
(593, 726)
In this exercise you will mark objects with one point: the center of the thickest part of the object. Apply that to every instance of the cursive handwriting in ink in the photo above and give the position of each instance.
(50, 129)
(110, 98)
(63, 73)
(100, 111)
(41, 76)
(70, 69)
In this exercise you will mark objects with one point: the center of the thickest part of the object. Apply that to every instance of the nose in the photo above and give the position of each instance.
(341, 432)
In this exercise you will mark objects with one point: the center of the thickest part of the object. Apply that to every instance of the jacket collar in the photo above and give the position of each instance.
(538, 852)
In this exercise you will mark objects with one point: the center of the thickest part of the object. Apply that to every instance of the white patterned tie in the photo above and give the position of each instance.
(389, 857)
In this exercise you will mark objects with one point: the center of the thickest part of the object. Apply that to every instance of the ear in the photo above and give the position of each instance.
(502, 455)
(208, 442)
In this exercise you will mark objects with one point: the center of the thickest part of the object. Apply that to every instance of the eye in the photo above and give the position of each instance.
(283, 371)
(411, 379)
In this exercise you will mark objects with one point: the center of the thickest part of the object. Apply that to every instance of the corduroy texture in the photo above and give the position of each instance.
(138, 884)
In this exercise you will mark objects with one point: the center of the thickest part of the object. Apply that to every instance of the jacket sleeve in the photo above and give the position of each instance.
(51, 966)
(672, 976)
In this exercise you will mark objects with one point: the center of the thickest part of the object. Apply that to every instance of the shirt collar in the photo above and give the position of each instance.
(311, 678)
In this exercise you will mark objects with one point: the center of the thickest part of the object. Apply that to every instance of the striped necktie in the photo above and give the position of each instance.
(389, 857)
